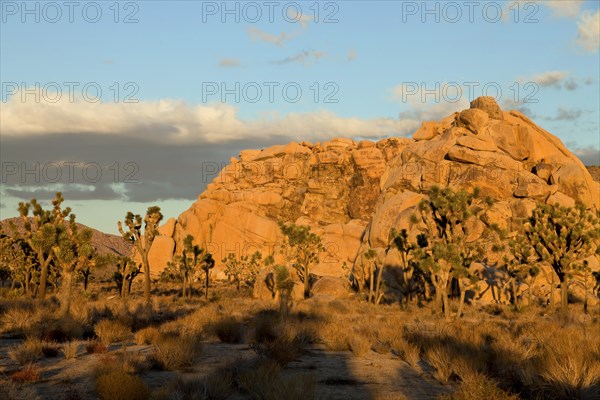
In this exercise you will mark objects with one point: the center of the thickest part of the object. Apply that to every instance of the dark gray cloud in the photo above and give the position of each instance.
(96, 167)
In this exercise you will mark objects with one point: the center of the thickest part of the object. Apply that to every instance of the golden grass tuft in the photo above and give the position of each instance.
(27, 352)
(119, 385)
(110, 331)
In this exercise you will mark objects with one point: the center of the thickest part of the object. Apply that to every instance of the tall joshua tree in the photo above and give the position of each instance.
(41, 232)
(72, 252)
(142, 240)
(445, 251)
(302, 249)
(563, 237)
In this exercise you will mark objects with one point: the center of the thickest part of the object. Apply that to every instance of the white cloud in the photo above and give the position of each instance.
(278, 40)
(588, 28)
(432, 102)
(306, 58)
(351, 55)
(519, 10)
(229, 63)
(175, 122)
(550, 78)
(564, 8)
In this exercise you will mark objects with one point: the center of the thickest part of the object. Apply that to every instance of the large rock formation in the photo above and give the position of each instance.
(352, 193)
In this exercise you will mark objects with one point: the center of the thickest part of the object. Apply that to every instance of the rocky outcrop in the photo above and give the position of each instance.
(352, 193)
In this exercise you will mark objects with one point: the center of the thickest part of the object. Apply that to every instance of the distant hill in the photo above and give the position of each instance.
(594, 172)
(104, 243)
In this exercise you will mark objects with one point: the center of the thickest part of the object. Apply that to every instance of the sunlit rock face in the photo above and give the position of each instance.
(352, 193)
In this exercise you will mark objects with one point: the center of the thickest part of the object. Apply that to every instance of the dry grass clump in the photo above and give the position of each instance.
(70, 350)
(95, 347)
(265, 381)
(440, 357)
(110, 331)
(19, 320)
(147, 335)
(359, 345)
(50, 349)
(62, 330)
(119, 385)
(130, 362)
(335, 336)
(229, 330)
(10, 390)
(408, 352)
(176, 352)
(479, 387)
(27, 352)
(217, 386)
(29, 373)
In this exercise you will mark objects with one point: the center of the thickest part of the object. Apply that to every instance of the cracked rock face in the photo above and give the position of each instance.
(352, 193)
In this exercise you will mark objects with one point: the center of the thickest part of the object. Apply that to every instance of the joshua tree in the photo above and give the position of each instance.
(18, 260)
(142, 241)
(563, 237)
(408, 263)
(126, 272)
(302, 249)
(283, 285)
(72, 252)
(41, 232)
(522, 267)
(207, 264)
(444, 250)
(185, 267)
(244, 269)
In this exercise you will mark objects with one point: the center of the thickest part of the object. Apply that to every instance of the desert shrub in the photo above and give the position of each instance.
(265, 328)
(265, 381)
(284, 350)
(172, 352)
(62, 330)
(130, 362)
(479, 387)
(440, 357)
(70, 350)
(29, 373)
(406, 351)
(10, 390)
(95, 347)
(216, 386)
(147, 335)
(19, 320)
(49, 350)
(229, 330)
(27, 352)
(334, 336)
(119, 385)
(359, 345)
(109, 331)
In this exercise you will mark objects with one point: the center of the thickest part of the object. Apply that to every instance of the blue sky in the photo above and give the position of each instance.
(360, 74)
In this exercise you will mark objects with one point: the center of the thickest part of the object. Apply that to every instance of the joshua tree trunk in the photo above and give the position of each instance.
(43, 275)
(124, 284)
(184, 287)
(306, 280)
(564, 295)
(66, 292)
(446, 305)
(461, 300)
(146, 278)
(206, 288)
(371, 279)
(513, 285)
(378, 294)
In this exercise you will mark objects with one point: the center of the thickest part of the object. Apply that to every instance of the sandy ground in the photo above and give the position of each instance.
(340, 375)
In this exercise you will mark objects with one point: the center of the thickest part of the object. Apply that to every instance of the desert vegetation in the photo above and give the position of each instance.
(76, 324)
